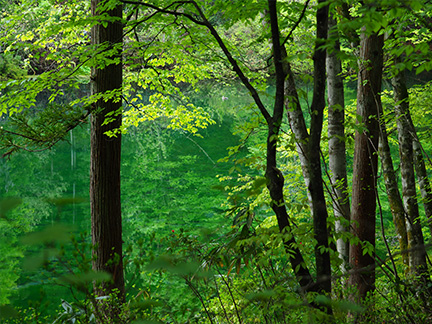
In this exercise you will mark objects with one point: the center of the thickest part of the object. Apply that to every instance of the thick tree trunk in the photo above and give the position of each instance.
(365, 164)
(319, 212)
(336, 142)
(393, 194)
(417, 255)
(105, 157)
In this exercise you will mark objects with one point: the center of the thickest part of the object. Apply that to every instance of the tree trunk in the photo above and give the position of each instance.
(417, 255)
(336, 143)
(298, 125)
(105, 156)
(308, 148)
(319, 212)
(393, 194)
(422, 178)
(365, 164)
(275, 179)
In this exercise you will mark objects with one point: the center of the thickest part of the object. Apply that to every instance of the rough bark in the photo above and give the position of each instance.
(417, 254)
(336, 143)
(316, 189)
(422, 178)
(365, 163)
(393, 194)
(105, 158)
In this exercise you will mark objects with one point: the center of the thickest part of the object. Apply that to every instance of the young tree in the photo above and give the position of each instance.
(336, 142)
(308, 144)
(406, 137)
(393, 194)
(275, 179)
(316, 188)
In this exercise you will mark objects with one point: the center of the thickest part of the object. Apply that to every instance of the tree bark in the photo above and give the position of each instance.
(275, 179)
(105, 156)
(417, 255)
(366, 164)
(393, 194)
(316, 189)
(308, 148)
(422, 177)
(298, 125)
(336, 143)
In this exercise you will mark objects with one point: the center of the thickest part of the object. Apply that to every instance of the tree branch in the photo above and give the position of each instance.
(205, 22)
(297, 22)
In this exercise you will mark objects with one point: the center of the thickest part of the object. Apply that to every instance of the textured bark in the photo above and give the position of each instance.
(298, 125)
(105, 160)
(319, 209)
(275, 179)
(366, 163)
(336, 143)
(422, 178)
(308, 148)
(417, 255)
(393, 194)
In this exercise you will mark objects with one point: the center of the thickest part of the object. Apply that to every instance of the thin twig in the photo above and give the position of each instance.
(296, 23)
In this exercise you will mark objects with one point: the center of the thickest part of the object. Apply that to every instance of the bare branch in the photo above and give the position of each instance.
(297, 22)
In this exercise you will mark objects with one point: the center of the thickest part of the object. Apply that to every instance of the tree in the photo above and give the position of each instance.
(390, 180)
(106, 84)
(336, 142)
(275, 178)
(365, 164)
(406, 137)
(165, 41)
(316, 188)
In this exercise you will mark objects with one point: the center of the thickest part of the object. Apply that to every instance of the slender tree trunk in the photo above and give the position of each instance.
(422, 176)
(393, 194)
(275, 179)
(308, 148)
(336, 142)
(105, 157)
(417, 255)
(298, 125)
(365, 164)
(319, 212)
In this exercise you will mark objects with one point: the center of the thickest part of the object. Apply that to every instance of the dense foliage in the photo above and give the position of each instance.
(206, 146)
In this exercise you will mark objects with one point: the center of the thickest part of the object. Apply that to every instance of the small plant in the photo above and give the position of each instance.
(74, 314)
